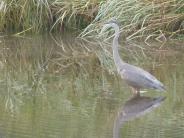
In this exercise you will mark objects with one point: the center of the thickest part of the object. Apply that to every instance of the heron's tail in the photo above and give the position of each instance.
(160, 88)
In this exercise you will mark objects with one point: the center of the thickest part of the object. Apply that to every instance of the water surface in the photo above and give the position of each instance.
(58, 89)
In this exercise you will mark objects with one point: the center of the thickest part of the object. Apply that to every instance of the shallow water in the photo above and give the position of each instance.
(57, 89)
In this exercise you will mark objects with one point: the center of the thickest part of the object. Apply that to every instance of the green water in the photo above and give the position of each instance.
(58, 89)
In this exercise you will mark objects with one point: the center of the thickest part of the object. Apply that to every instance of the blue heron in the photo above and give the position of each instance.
(134, 76)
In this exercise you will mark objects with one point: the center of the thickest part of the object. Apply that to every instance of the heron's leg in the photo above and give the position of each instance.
(135, 91)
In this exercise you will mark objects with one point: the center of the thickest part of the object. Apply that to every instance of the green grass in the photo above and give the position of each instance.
(138, 19)
(42, 15)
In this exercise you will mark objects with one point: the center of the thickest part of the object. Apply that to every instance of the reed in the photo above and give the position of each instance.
(160, 19)
(45, 15)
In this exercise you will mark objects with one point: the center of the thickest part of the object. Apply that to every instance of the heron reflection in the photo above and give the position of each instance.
(134, 108)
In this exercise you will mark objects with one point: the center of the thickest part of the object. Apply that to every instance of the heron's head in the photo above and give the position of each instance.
(109, 24)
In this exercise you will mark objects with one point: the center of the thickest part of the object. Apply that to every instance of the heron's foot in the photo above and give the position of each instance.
(135, 91)
(143, 91)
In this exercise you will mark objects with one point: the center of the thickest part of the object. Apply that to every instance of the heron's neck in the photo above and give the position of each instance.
(116, 56)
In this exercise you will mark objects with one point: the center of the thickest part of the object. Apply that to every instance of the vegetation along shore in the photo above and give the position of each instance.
(160, 19)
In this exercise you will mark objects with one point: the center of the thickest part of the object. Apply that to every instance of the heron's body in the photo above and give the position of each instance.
(136, 77)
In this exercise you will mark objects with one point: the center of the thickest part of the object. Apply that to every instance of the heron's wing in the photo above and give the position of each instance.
(148, 76)
(139, 78)
(135, 80)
